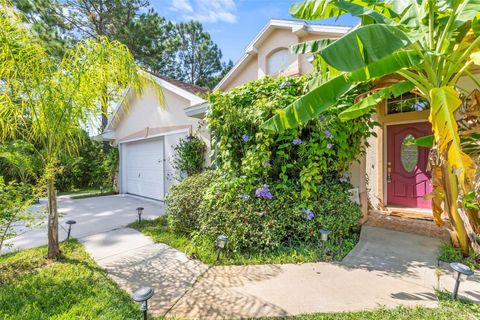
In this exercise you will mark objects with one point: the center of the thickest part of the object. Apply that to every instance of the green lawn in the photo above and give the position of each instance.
(448, 310)
(72, 287)
(158, 230)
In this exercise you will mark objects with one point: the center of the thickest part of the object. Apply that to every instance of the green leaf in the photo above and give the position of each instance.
(358, 10)
(367, 104)
(310, 105)
(425, 141)
(314, 9)
(363, 46)
(311, 46)
(328, 94)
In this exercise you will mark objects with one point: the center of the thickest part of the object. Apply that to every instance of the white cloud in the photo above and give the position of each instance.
(206, 10)
(181, 6)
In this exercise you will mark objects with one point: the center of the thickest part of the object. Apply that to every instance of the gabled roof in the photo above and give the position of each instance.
(183, 85)
(300, 28)
(185, 90)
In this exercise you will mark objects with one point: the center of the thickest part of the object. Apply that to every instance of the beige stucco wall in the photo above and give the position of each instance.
(146, 117)
(248, 73)
(277, 39)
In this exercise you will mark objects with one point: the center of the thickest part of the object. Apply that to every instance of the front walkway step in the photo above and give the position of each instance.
(133, 261)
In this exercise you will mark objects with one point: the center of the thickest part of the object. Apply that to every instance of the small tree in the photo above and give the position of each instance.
(49, 100)
(15, 199)
(190, 155)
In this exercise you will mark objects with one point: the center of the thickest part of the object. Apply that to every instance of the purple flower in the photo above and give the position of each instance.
(285, 84)
(266, 163)
(329, 145)
(343, 179)
(297, 142)
(309, 214)
(322, 117)
(245, 138)
(263, 192)
(328, 134)
(244, 196)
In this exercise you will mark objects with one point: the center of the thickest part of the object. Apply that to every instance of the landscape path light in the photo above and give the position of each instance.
(142, 296)
(460, 269)
(139, 212)
(221, 243)
(324, 238)
(70, 222)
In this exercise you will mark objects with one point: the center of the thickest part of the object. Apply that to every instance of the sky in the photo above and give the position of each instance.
(233, 23)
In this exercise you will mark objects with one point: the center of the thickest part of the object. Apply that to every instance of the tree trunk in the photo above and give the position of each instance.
(53, 244)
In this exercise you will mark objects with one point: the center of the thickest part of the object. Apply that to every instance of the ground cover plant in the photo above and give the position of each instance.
(269, 193)
(70, 287)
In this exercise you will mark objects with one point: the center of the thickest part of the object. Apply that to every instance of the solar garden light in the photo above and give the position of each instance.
(142, 295)
(324, 238)
(460, 269)
(221, 243)
(70, 222)
(139, 212)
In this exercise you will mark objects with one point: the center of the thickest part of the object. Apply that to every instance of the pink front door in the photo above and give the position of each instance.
(407, 178)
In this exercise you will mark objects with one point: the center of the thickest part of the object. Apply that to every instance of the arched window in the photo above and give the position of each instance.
(278, 61)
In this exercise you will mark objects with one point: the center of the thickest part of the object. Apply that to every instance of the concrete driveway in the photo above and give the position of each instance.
(93, 215)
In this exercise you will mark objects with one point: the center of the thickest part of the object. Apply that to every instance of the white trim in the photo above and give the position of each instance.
(122, 154)
(299, 28)
(194, 99)
(197, 110)
(155, 136)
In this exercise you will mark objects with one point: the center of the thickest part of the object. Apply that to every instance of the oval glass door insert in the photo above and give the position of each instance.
(409, 154)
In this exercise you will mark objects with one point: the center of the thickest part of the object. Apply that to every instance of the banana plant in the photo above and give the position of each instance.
(428, 45)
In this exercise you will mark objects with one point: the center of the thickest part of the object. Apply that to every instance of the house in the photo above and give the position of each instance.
(146, 132)
(393, 177)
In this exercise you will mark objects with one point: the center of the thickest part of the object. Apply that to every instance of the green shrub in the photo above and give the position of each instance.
(94, 166)
(184, 202)
(15, 198)
(190, 155)
(256, 223)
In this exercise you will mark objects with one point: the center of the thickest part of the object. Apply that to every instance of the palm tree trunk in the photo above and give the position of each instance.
(53, 245)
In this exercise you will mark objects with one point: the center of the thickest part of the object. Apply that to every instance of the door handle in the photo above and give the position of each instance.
(389, 172)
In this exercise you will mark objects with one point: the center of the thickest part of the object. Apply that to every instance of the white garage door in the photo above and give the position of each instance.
(144, 168)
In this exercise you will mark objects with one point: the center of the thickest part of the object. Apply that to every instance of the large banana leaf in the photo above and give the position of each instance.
(367, 104)
(322, 9)
(444, 102)
(311, 46)
(363, 46)
(327, 94)
(315, 9)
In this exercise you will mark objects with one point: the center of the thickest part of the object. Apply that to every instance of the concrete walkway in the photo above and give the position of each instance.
(134, 261)
(387, 268)
(93, 215)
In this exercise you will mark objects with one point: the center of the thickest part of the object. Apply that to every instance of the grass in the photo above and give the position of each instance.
(448, 309)
(158, 230)
(448, 253)
(87, 193)
(71, 287)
